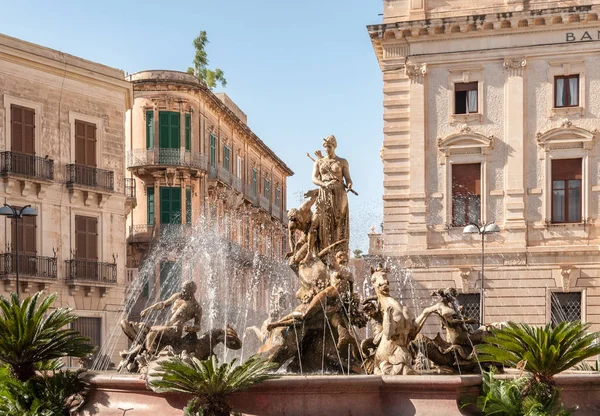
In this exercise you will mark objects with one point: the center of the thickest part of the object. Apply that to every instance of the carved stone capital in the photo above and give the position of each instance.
(415, 71)
(515, 66)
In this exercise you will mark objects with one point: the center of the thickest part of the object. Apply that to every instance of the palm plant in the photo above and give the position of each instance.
(209, 382)
(544, 352)
(30, 333)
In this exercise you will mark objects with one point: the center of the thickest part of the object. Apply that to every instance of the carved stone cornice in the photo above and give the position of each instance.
(515, 66)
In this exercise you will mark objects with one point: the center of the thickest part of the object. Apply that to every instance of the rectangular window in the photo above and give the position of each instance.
(566, 91)
(150, 129)
(226, 158)
(22, 124)
(85, 146)
(170, 279)
(150, 204)
(565, 307)
(254, 182)
(470, 307)
(170, 205)
(168, 122)
(566, 190)
(466, 194)
(465, 98)
(24, 240)
(86, 238)
(213, 150)
(188, 205)
(188, 132)
(90, 328)
(268, 189)
(239, 167)
(278, 198)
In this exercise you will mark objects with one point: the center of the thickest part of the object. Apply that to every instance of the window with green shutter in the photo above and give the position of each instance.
(150, 204)
(188, 132)
(169, 129)
(170, 279)
(170, 205)
(254, 182)
(213, 150)
(150, 129)
(226, 157)
(278, 198)
(188, 205)
(268, 189)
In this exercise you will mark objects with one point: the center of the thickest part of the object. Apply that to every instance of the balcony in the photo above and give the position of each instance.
(28, 166)
(29, 266)
(139, 158)
(141, 233)
(90, 177)
(223, 174)
(264, 203)
(236, 183)
(130, 188)
(90, 271)
(276, 212)
(250, 195)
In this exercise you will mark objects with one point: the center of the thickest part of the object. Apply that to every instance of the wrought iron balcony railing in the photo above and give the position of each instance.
(237, 183)
(276, 211)
(26, 165)
(264, 203)
(141, 233)
(166, 157)
(77, 269)
(90, 177)
(223, 174)
(35, 266)
(250, 194)
(130, 188)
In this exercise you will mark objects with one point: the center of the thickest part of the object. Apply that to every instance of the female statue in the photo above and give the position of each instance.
(332, 174)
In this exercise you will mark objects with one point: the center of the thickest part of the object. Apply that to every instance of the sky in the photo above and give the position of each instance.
(300, 70)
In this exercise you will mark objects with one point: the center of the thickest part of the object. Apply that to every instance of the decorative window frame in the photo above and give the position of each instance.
(465, 75)
(99, 122)
(36, 106)
(551, 290)
(76, 211)
(461, 148)
(564, 68)
(39, 221)
(566, 142)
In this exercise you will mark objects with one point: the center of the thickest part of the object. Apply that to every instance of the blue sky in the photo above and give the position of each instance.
(300, 70)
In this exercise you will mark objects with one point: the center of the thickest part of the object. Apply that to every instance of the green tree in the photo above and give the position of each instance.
(210, 383)
(200, 69)
(358, 253)
(30, 334)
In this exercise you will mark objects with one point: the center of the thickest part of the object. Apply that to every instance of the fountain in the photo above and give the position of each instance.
(395, 370)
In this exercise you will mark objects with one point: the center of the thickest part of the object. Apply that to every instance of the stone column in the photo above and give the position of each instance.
(515, 110)
(417, 227)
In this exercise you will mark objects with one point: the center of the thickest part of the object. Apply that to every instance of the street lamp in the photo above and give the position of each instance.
(489, 228)
(13, 212)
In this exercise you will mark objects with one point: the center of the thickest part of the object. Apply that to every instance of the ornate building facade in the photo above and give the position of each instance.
(490, 114)
(199, 170)
(62, 138)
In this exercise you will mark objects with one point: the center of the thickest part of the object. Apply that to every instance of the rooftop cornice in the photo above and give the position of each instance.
(184, 83)
(480, 25)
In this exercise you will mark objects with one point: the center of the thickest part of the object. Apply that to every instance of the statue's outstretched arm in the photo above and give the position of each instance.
(420, 320)
(346, 173)
(160, 305)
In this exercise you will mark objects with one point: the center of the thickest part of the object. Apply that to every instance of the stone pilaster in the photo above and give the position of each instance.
(515, 110)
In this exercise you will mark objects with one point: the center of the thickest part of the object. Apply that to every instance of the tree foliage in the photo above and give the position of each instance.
(209, 382)
(200, 69)
(30, 333)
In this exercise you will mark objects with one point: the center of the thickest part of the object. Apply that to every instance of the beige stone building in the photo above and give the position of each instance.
(200, 170)
(491, 113)
(62, 151)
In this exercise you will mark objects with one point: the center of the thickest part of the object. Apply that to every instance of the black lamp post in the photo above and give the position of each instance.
(489, 228)
(13, 212)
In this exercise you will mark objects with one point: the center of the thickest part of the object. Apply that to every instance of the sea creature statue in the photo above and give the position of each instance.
(455, 352)
(148, 341)
(319, 335)
(398, 328)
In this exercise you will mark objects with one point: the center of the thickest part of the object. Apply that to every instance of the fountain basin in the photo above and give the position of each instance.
(113, 394)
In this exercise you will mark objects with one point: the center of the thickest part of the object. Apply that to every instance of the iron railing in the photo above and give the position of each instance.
(26, 165)
(264, 202)
(213, 171)
(237, 183)
(36, 266)
(223, 174)
(250, 194)
(166, 157)
(95, 271)
(130, 188)
(90, 177)
(140, 233)
(276, 211)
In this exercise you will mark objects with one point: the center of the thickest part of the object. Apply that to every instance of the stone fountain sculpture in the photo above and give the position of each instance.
(151, 342)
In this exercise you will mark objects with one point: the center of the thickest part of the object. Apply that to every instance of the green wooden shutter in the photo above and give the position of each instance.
(226, 152)
(174, 125)
(149, 129)
(150, 204)
(170, 205)
(188, 132)
(170, 279)
(278, 198)
(188, 205)
(254, 183)
(213, 150)
(267, 189)
(169, 129)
